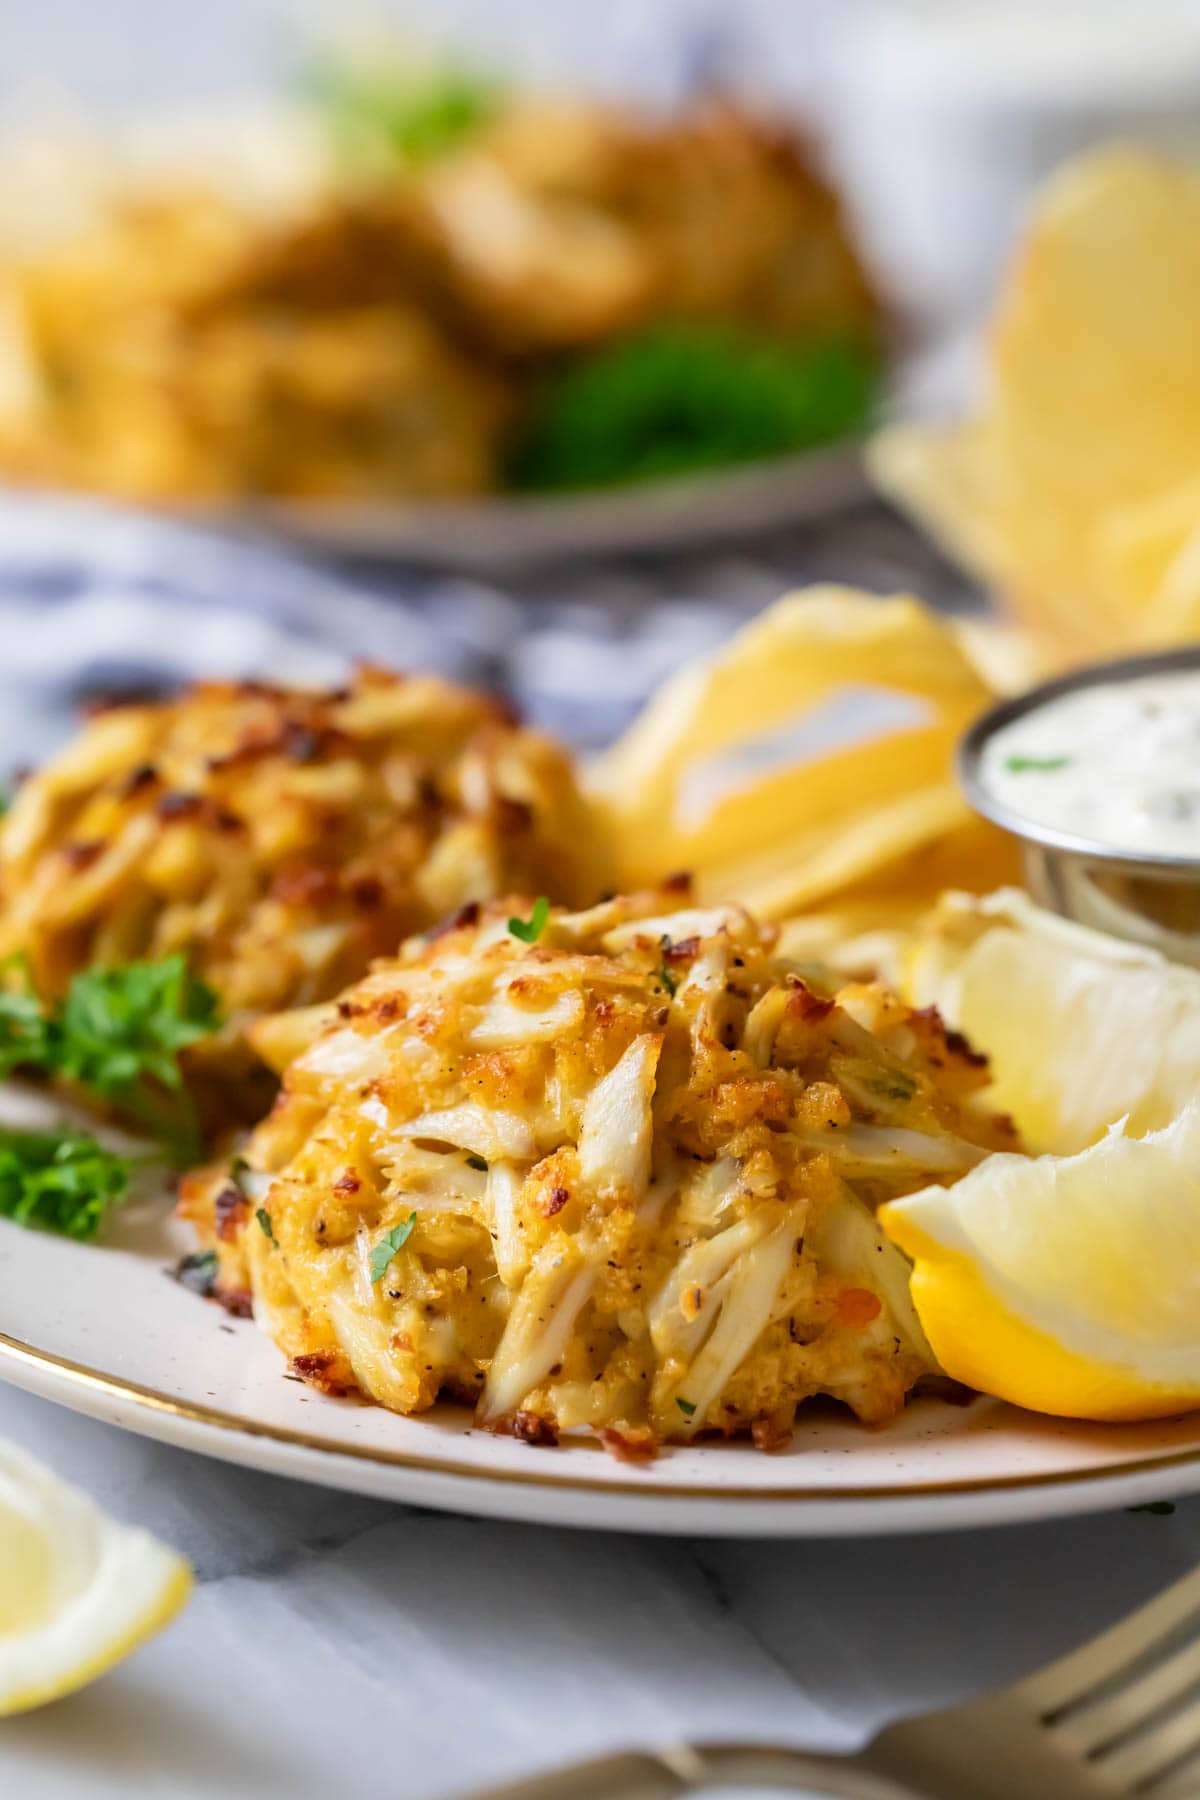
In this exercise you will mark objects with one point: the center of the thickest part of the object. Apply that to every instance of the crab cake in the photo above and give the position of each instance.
(182, 349)
(614, 1169)
(565, 222)
(280, 839)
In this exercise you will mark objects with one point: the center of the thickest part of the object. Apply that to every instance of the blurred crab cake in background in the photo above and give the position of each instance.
(183, 346)
(278, 840)
(614, 1169)
(470, 292)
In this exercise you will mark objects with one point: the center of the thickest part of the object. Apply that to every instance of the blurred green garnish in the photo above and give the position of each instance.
(674, 398)
(410, 115)
(28, 1033)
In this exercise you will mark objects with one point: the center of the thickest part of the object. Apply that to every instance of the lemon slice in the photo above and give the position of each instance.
(78, 1591)
(1069, 1285)
(1080, 1029)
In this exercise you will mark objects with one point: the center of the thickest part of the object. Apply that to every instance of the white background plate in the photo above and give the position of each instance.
(103, 1329)
(512, 531)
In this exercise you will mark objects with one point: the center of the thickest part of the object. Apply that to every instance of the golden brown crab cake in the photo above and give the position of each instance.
(365, 402)
(565, 221)
(622, 1176)
(183, 348)
(280, 839)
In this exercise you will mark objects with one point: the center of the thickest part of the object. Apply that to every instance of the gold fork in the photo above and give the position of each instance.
(1121, 1716)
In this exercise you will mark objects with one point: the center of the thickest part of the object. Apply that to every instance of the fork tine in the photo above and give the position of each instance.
(1181, 1782)
(1157, 1751)
(1073, 1677)
(1118, 1711)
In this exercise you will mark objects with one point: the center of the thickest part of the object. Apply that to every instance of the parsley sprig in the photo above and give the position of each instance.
(530, 930)
(62, 1181)
(118, 1033)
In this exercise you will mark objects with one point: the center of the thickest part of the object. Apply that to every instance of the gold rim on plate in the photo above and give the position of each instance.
(155, 1401)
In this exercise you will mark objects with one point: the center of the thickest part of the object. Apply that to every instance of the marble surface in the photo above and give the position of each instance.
(338, 1646)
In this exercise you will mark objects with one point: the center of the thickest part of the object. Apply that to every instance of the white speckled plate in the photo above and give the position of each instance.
(511, 531)
(102, 1328)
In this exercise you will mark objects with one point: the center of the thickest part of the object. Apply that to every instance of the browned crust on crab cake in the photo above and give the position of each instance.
(281, 839)
(623, 1178)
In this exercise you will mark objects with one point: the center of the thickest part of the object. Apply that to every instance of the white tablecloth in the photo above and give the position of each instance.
(347, 1648)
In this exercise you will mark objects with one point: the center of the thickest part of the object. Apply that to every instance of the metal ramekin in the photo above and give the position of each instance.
(1152, 900)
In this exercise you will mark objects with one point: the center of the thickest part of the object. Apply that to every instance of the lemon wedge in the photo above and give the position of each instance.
(1068, 1285)
(1080, 1028)
(1069, 1282)
(78, 1590)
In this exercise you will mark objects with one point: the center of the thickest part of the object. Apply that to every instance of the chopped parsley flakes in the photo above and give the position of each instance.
(892, 1085)
(530, 930)
(389, 1244)
(1040, 765)
(198, 1271)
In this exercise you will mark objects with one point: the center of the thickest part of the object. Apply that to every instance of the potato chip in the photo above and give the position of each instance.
(809, 758)
(1076, 491)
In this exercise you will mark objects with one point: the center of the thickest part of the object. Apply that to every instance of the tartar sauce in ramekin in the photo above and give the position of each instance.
(1117, 763)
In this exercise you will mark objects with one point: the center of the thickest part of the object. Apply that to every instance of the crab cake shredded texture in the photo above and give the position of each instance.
(614, 1169)
(279, 839)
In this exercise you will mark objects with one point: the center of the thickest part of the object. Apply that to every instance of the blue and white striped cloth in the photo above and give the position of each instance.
(96, 599)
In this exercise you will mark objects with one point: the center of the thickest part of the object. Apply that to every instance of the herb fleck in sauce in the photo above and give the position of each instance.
(1118, 763)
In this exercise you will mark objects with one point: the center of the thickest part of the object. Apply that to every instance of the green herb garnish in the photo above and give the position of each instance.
(686, 1407)
(476, 1162)
(530, 930)
(389, 1244)
(118, 1033)
(677, 397)
(1042, 765)
(668, 980)
(892, 1085)
(198, 1271)
(265, 1225)
(28, 1034)
(63, 1181)
(411, 116)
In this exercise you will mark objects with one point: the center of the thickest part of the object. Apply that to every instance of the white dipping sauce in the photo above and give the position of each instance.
(1118, 763)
